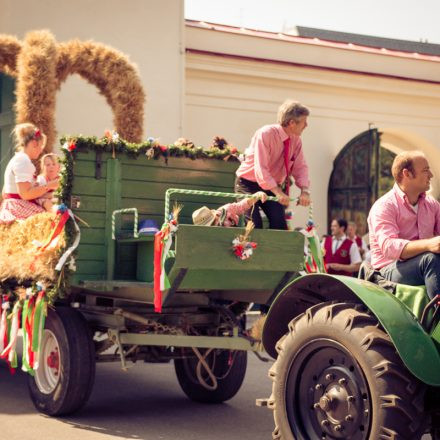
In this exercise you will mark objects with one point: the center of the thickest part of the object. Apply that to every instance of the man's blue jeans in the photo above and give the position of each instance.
(417, 271)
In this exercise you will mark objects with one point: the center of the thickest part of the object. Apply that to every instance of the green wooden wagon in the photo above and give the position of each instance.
(107, 311)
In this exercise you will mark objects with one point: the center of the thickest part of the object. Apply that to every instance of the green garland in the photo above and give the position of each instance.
(151, 148)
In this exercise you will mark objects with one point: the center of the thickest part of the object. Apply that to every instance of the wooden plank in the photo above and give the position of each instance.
(176, 176)
(87, 168)
(156, 190)
(90, 267)
(89, 203)
(93, 219)
(210, 279)
(92, 235)
(182, 163)
(91, 252)
(89, 186)
(201, 247)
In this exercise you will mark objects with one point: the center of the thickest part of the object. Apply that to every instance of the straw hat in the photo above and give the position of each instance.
(203, 216)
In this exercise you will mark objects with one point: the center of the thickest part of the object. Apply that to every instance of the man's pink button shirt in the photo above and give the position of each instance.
(393, 222)
(264, 161)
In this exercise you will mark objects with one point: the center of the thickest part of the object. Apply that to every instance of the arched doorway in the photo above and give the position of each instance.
(361, 173)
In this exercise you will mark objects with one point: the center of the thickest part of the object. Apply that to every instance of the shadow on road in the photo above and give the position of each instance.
(14, 392)
(147, 403)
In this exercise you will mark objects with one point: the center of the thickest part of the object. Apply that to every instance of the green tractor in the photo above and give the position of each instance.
(353, 360)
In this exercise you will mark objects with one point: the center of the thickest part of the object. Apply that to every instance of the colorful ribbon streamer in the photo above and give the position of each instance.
(33, 320)
(163, 240)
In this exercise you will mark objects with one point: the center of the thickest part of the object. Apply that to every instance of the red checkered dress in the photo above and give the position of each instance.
(17, 209)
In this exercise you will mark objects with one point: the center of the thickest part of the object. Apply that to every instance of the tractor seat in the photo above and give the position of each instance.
(414, 297)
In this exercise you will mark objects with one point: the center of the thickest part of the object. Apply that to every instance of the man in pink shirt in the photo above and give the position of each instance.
(404, 226)
(275, 154)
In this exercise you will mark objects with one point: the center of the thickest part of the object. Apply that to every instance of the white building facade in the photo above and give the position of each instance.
(204, 80)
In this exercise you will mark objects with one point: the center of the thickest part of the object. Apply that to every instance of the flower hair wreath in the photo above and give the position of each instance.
(37, 134)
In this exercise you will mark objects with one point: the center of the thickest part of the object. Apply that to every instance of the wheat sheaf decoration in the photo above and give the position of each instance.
(40, 65)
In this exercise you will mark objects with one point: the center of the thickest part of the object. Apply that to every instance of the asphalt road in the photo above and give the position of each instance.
(145, 403)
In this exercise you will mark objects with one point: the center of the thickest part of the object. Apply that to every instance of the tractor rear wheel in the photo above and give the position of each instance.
(338, 376)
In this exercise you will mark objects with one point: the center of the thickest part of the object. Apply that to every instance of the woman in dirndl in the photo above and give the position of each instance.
(20, 190)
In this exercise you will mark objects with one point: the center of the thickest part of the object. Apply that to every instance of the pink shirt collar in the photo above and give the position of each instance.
(284, 135)
(402, 195)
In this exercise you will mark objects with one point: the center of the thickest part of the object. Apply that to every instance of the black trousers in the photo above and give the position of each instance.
(274, 211)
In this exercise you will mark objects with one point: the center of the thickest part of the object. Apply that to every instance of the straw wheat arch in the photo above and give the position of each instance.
(40, 66)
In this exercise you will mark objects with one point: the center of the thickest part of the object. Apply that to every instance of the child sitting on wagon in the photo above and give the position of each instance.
(226, 215)
(50, 169)
(19, 190)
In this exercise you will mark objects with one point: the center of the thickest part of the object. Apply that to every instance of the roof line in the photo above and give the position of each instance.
(311, 41)
(309, 66)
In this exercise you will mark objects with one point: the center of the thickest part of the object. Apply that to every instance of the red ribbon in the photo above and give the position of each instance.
(56, 231)
(28, 327)
(158, 249)
(5, 354)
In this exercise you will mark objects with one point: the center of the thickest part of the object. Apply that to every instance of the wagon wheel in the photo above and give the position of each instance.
(64, 379)
(338, 376)
(228, 368)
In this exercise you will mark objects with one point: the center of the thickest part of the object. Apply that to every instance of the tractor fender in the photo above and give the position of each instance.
(415, 347)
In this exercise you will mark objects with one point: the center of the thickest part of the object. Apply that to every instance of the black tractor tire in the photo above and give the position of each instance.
(228, 366)
(64, 379)
(338, 376)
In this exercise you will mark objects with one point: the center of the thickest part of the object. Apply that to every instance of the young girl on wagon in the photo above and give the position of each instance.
(19, 190)
(50, 168)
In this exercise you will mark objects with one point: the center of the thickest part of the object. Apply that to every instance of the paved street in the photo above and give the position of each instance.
(145, 403)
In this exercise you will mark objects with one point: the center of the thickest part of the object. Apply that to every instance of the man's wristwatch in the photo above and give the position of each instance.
(305, 190)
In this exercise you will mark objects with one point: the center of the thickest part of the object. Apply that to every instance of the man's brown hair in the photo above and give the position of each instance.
(402, 161)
